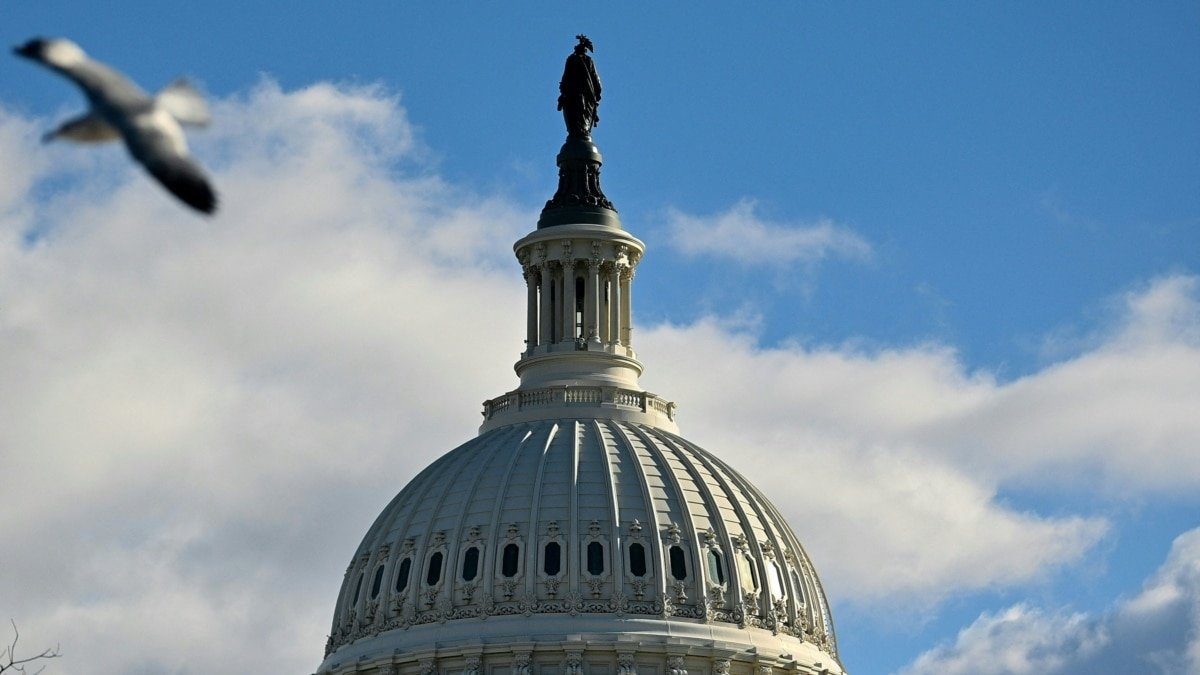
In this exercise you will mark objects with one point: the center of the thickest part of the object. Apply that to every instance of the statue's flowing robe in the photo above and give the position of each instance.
(579, 95)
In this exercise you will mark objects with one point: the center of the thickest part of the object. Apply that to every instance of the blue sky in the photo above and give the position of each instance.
(944, 256)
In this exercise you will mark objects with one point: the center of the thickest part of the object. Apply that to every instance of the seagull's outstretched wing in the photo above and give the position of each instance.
(184, 103)
(156, 141)
(89, 128)
(186, 180)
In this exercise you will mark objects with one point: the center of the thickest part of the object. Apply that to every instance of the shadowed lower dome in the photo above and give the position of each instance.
(593, 535)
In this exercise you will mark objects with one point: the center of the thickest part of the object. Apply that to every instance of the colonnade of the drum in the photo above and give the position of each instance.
(581, 300)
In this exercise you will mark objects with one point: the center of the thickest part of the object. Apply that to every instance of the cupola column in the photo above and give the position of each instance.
(546, 280)
(603, 310)
(614, 305)
(591, 327)
(568, 300)
(627, 307)
(531, 308)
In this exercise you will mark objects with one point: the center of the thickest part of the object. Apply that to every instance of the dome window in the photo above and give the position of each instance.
(716, 571)
(748, 572)
(799, 586)
(377, 582)
(678, 563)
(433, 573)
(470, 567)
(402, 575)
(637, 560)
(774, 580)
(595, 558)
(552, 561)
(508, 565)
(357, 589)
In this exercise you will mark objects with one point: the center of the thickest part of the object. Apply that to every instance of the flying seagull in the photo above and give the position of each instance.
(150, 125)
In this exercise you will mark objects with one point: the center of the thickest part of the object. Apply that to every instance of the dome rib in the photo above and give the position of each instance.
(688, 525)
(767, 513)
(614, 567)
(465, 512)
(534, 529)
(489, 587)
(724, 538)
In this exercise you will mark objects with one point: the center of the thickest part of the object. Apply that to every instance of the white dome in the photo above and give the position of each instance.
(609, 536)
(579, 533)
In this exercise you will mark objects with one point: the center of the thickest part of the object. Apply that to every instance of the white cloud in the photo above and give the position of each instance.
(1157, 631)
(1120, 416)
(200, 417)
(908, 450)
(829, 435)
(739, 234)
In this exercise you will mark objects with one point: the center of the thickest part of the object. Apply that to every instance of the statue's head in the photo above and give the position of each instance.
(584, 44)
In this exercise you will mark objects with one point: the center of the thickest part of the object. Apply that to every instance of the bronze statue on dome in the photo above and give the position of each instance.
(579, 91)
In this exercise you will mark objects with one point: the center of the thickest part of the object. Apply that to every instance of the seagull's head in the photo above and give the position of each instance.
(59, 52)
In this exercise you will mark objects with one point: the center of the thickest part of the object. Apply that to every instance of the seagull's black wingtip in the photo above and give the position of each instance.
(190, 186)
(31, 49)
(202, 198)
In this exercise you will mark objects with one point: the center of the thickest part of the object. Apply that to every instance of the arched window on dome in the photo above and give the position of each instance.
(377, 583)
(678, 563)
(357, 590)
(749, 573)
(774, 580)
(510, 562)
(637, 560)
(552, 559)
(402, 575)
(595, 558)
(799, 584)
(433, 573)
(716, 569)
(470, 566)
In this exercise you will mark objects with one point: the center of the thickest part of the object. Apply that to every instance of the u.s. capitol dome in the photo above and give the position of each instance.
(579, 533)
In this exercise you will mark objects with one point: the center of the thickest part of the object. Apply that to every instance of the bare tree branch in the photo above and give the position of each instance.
(9, 663)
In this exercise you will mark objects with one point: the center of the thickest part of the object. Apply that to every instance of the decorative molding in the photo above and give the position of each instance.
(573, 664)
(522, 662)
(626, 665)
